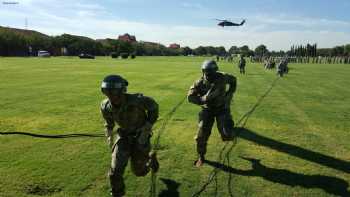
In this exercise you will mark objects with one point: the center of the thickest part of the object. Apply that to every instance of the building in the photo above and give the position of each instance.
(174, 46)
(127, 38)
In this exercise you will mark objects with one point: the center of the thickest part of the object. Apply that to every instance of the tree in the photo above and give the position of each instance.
(12, 44)
(221, 51)
(244, 50)
(125, 47)
(233, 50)
(187, 51)
(337, 51)
(347, 49)
(139, 49)
(200, 51)
(211, 50)
(324, 52)
(261, 50)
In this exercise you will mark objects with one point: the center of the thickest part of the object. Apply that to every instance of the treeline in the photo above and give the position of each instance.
(343, 50)
(304, 51)
(18, 42)
(312, 51)
(25, 43)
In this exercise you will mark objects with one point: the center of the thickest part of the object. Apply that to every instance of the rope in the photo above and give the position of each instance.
(167, 118)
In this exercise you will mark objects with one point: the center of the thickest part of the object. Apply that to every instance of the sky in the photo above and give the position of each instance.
(278, 24)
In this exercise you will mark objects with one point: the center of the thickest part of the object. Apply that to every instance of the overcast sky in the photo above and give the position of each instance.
(276, 23)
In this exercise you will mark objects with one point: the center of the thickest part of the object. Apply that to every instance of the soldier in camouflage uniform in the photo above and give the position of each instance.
(282, 67)
(135, 114)
(241, 65)
(211, 93)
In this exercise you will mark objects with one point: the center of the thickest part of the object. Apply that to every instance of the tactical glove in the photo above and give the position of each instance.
(203, 99)
(144, 133)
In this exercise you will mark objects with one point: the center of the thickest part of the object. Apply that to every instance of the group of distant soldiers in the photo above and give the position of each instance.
(228, 58)
(269, 63)
(321, 60)
(282, 66)
(307, 60)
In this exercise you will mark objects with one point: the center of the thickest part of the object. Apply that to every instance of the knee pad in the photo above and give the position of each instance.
(139, 173)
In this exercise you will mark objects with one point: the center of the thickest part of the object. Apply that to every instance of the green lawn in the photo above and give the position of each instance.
(295, 143)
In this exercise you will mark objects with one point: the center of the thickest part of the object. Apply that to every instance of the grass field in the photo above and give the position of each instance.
(299, 132)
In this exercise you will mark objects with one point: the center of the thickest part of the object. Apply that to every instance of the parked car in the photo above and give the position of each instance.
(86, 56)
(43, 54)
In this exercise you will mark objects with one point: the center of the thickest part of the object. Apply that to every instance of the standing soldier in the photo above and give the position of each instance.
(282, 67)
(211, 94)
(241, 65)
(135, 115)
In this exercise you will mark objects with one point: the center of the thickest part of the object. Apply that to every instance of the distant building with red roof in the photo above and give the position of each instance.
(174, 46)
(127, 38)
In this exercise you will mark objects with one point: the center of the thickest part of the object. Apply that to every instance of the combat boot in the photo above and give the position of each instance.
(200, 161)
(117, 194)
(228, 138)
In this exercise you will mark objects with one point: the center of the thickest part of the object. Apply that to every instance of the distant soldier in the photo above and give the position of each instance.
(135, 114)
(211, 94)
(241, 65)
(230, 58)
(266, 64)
(282, 67)
(269, 63)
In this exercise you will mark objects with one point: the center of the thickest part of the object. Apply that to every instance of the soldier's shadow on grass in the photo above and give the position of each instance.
(331, 185)
(72, 135)
(172, 188)
(294, 150)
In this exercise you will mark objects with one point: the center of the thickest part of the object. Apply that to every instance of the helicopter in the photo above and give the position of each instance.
(224, 23)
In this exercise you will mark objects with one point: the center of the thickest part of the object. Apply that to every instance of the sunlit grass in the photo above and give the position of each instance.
(308, 109)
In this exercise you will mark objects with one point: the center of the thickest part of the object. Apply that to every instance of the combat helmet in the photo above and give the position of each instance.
(209, 68)
(114, 85)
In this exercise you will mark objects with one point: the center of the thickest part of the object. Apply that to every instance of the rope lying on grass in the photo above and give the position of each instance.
(165, 122)
(57, 136)
(243, 120)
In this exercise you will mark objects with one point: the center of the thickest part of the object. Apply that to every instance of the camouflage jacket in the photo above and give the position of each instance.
(241, 63)
(216, 94)
(131, 115)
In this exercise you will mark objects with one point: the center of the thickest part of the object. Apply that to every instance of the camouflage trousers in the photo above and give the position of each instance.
(280, 72)
(123, 149)
(224, 124)
(242, 69)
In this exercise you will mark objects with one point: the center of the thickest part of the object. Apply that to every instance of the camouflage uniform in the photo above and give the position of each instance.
(134, 112)
(282, 67)
(241, 65)
(215, 102)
